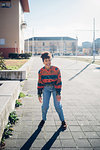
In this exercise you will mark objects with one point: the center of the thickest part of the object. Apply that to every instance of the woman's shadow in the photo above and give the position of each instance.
(47, 146)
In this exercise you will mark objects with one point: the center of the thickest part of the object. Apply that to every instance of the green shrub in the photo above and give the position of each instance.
(7, 131)
(13, 55)
(21, 95)
(30, 54)
(13, 117)
(9, 128)
(22, 56)
(18, 103)
(25, 55)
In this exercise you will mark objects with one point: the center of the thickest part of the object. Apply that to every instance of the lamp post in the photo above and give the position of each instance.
(93, 39)
(28, 45)
(33, 43)
(23, 25)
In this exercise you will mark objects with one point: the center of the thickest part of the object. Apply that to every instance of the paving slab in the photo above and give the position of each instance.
(81, 106)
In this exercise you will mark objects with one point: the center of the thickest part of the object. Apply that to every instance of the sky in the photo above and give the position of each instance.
(70, 18)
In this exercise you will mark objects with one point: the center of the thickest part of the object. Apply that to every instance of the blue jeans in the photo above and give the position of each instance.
(46, 98)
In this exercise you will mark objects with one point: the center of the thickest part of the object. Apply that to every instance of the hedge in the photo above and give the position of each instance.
(20, 56)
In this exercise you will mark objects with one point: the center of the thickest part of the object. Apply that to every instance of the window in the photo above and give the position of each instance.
(43, 44)
(5, 3)
(2, 41)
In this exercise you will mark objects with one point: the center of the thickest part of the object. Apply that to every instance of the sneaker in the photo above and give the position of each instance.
(41, 123)
(64, 125)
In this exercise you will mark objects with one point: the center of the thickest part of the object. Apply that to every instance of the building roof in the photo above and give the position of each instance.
(25, 5)
(51, 38)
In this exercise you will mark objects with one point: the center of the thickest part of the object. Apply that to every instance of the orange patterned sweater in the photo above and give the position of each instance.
(49, 77)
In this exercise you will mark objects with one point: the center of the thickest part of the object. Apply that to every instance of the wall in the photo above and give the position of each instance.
(9, 92)
(21, 32)
(9, 27)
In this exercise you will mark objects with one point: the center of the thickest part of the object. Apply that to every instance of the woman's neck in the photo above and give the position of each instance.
(47, 67)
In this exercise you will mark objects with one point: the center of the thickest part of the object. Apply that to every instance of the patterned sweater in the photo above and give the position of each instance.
(49, 77)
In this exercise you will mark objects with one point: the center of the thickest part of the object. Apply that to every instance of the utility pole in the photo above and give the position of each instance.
(28, 45)
(33, 43)
(62, 46)
(76, 47)
(93, 39)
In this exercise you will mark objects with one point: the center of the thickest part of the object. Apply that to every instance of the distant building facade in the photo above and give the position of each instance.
(79, 51)
(87, 48)
(61, 45)
(11, 25)
(97, 46)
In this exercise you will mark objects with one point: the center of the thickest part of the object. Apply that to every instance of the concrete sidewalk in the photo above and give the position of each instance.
(81, 105)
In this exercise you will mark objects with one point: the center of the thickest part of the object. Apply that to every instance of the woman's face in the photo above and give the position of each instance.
(47, 63)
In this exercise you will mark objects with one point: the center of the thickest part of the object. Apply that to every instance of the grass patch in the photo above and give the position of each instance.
(14, 64)
(13, 67)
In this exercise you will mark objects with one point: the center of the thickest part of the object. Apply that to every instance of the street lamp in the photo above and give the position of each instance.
(93, 39)
(23, 25)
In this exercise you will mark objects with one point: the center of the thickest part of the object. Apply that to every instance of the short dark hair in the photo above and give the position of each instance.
(45, 55)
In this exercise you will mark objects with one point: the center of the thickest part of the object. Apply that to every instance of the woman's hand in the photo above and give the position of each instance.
(58, 97)
(40, 99)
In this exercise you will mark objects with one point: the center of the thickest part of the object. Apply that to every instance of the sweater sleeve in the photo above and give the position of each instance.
(58, 84)
(40, 85)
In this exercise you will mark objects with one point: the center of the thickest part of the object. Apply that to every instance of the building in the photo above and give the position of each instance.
(87, 48)
(11, 25)
(79, 51)
(61, 45)
(97, 46)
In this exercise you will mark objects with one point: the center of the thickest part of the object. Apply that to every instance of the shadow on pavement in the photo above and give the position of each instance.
(48, 145)
(97, 67)
(79, 72)
(30, 141)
